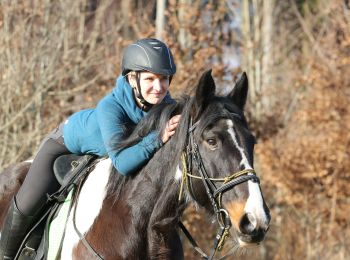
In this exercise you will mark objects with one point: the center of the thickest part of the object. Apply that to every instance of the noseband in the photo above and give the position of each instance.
(192, 154)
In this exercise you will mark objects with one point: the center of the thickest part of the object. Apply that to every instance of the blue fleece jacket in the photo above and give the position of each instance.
(91, 131)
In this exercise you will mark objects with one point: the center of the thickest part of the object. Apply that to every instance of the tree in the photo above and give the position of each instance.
(160, 18)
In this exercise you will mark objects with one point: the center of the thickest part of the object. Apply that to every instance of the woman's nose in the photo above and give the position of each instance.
(157, 84)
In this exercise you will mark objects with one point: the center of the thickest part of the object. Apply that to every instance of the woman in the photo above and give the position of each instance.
(147, 70)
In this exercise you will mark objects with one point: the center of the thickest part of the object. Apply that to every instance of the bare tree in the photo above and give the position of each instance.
(184, 36)
(160, 18)
(262, 38)
(50, 59)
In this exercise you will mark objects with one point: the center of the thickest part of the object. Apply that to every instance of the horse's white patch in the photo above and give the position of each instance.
(244, 161)
(178, 174)
(254, 204)
(178, 178)
(89, 205)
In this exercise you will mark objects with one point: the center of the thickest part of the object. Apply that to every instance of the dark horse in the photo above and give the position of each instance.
(137, 217)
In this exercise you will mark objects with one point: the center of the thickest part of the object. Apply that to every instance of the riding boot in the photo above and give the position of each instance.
(14, 230)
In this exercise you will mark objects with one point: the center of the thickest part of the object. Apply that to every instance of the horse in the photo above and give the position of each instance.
(138, 216)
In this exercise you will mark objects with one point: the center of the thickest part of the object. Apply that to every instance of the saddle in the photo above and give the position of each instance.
(70, 170)
(66, 166)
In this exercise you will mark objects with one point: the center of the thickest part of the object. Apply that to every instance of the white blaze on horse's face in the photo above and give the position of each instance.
(253, 209)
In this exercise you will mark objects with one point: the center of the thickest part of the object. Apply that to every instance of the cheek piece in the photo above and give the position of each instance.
(145, 104)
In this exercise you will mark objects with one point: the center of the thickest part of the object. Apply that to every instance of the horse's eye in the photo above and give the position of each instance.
(211, 141)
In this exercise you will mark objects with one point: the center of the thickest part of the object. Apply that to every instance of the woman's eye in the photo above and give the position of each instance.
(211, 141)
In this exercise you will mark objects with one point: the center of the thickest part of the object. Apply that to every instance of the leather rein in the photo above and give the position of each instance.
(191, 154)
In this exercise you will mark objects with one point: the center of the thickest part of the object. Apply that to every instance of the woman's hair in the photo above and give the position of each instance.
(131, 75)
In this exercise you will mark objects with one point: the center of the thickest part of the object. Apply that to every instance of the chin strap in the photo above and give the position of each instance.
(145, 104)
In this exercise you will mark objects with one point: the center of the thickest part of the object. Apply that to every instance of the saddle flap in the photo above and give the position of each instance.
(65, 164)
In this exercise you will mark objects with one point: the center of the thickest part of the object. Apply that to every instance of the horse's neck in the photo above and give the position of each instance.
(147, 206)
(160, 204)
(158, 179)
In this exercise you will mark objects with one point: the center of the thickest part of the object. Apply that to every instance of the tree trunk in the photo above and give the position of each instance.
(257, 55)
(247, 50)
(160, 19)
(126, 11)
(184, 35)
(267, 49)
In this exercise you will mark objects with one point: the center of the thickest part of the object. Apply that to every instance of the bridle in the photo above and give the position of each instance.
(192, 154)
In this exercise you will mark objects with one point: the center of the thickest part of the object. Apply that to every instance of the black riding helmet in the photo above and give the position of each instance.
(148, 55)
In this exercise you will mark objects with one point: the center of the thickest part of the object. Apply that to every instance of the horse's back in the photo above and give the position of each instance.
(11, 180)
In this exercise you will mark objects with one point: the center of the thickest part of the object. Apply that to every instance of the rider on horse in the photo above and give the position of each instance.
(147, 70)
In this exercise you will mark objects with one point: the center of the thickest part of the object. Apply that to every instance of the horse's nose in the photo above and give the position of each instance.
(249, 224)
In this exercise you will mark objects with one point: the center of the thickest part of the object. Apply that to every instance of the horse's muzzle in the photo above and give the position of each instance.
(251, 230)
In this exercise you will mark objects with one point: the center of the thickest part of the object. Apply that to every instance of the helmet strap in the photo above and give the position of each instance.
(143, 101)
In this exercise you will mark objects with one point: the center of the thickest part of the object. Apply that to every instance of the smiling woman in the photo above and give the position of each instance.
(153, 87)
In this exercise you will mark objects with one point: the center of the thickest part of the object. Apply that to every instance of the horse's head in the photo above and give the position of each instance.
(220, 151)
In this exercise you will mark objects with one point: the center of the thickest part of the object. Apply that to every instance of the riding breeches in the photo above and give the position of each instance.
(40, 179)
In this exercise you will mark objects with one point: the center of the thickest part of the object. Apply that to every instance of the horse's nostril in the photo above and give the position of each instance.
(247, 224)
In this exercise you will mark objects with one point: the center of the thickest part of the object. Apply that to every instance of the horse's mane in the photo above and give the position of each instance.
(155, 120)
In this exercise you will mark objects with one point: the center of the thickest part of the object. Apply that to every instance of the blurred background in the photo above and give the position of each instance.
(60, 56)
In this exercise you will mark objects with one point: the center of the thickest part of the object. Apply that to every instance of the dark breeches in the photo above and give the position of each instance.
(40, 179)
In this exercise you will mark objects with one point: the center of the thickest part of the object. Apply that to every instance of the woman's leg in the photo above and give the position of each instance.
(29, 200)
(40, 179)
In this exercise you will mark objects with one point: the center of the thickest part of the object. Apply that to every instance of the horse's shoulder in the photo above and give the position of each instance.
(13, 176)
(11, 180)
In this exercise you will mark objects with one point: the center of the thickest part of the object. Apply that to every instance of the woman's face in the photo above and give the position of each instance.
(154, 87)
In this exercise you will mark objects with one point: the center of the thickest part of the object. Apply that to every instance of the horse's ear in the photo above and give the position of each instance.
(204, 91)
(240, 91)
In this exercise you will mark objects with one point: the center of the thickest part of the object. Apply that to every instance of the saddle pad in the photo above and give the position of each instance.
(57, 228)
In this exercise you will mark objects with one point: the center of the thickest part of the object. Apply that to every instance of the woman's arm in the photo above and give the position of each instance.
(112, 121)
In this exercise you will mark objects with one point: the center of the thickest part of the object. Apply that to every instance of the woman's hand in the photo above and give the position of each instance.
(170, 128)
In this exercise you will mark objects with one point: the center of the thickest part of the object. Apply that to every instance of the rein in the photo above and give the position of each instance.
(214, 194)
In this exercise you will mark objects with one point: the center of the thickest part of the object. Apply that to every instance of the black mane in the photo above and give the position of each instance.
(155, 120)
